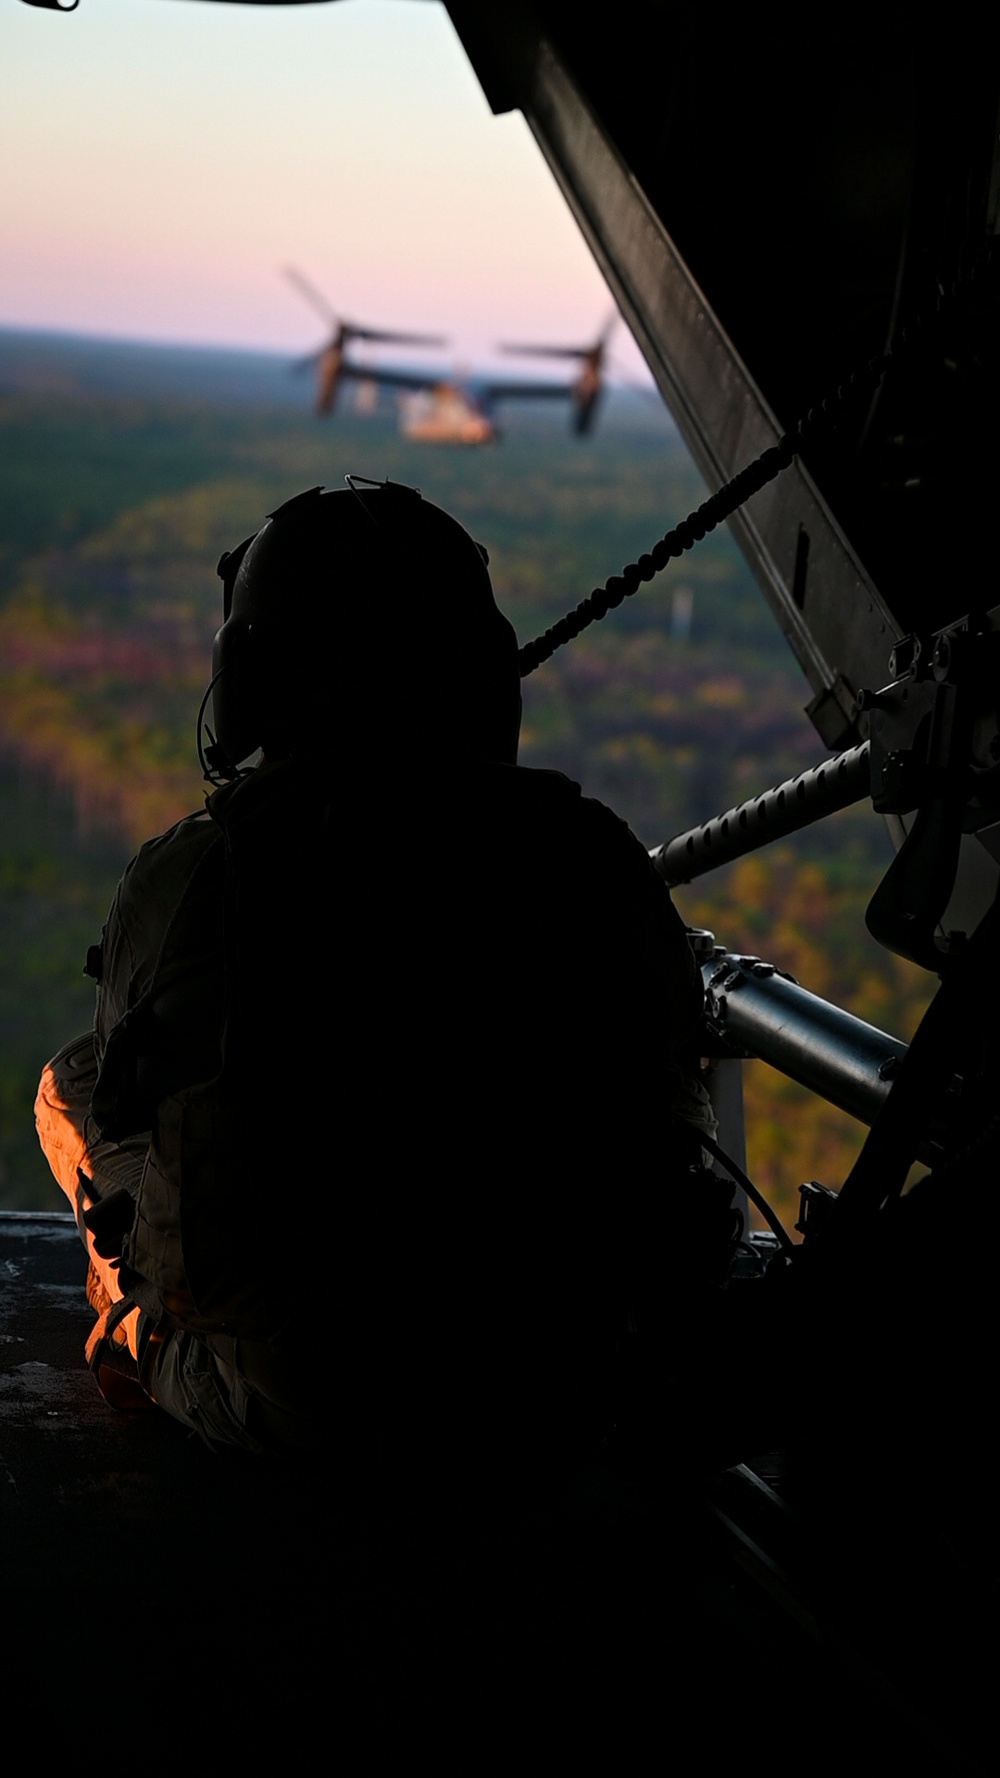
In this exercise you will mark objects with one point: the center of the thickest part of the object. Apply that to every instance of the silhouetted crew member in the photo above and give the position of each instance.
(370, 1130)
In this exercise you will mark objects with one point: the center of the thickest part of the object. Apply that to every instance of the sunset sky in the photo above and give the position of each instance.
(165, 158)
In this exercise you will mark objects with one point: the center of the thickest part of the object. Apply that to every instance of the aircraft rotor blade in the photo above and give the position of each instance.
(548, 351)
(532, 351)
(382, 336)
(314, 297)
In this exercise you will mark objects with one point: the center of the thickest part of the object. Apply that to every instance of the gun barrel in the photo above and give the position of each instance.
(755, 1008)
(786, 808)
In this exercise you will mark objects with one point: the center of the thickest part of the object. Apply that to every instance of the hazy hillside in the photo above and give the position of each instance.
(131, 469)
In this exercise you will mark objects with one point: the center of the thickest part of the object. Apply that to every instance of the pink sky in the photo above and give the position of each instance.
(164, 158)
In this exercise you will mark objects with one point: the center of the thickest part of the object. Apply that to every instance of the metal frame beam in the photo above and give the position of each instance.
(831, 613)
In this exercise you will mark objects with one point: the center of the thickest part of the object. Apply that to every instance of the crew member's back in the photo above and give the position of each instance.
(407, 1100)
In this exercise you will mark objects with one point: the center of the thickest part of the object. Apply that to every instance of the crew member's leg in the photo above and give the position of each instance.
(243, 1393)
(87, 1169)
(247, 1393)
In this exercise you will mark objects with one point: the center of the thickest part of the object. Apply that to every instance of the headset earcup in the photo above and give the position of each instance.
(236, 694)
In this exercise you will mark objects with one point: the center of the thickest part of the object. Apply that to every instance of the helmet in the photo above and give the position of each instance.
(361, 618)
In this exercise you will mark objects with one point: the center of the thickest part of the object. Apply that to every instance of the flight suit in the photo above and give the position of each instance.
(452, 1023)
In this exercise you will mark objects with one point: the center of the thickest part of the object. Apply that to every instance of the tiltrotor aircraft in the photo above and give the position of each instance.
(436, 408)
